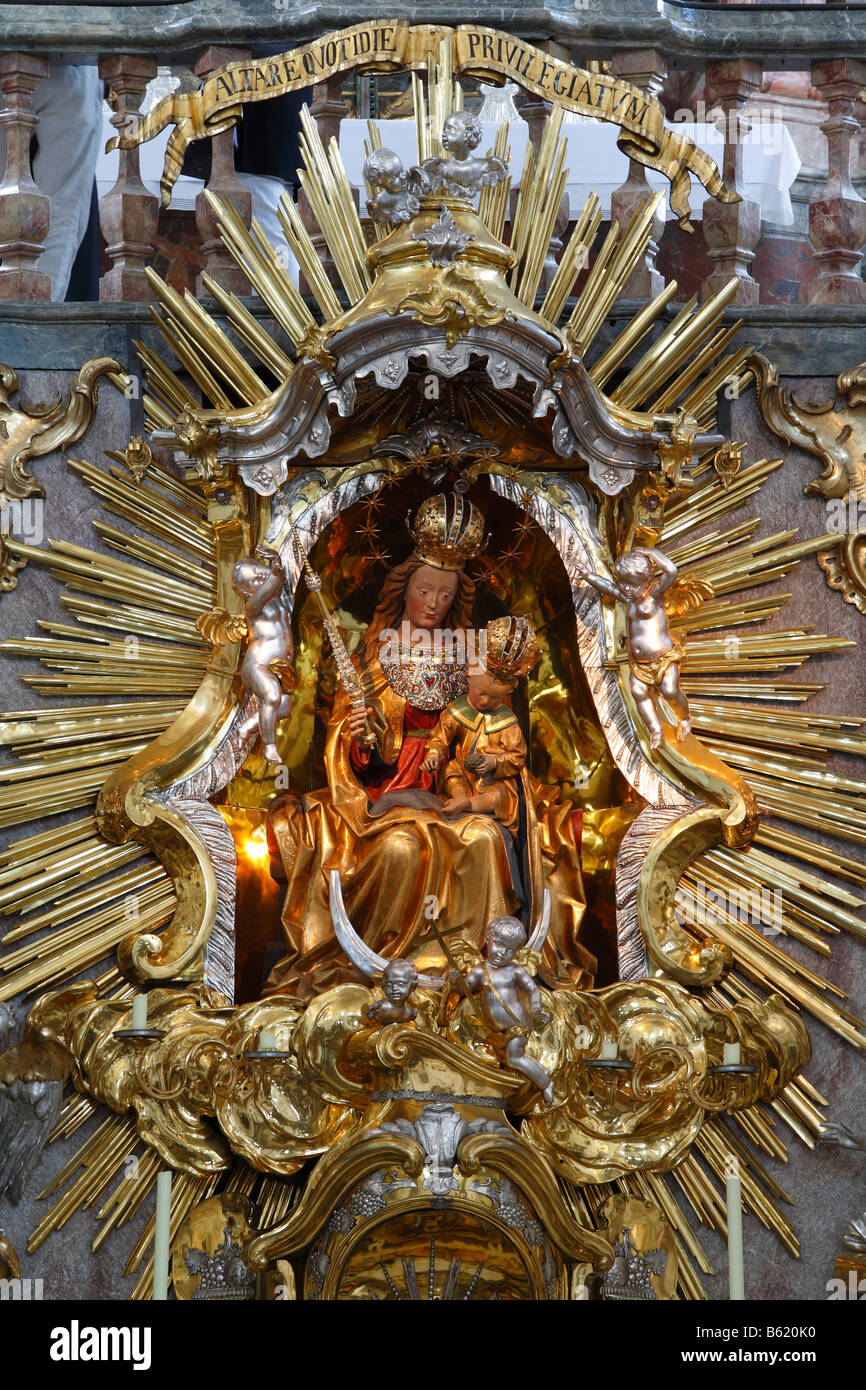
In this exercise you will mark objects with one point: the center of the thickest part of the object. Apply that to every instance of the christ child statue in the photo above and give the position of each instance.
(478, 743)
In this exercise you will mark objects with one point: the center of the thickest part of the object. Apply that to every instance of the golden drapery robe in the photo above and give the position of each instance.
(463, 730)
(400, 865)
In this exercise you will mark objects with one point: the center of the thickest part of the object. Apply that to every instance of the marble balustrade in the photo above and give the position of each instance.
(814, 258)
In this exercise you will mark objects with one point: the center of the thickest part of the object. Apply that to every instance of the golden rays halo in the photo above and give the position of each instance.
(131, 659)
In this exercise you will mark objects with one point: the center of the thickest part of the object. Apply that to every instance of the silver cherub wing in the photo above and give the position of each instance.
(28, 1113)
(358, 951)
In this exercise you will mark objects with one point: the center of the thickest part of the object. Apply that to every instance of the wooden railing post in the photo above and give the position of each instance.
(128, 213)
(225, 183)
(732, 230)
(25, 213)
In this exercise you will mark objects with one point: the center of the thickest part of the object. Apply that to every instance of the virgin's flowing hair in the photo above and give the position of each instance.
(392, 598)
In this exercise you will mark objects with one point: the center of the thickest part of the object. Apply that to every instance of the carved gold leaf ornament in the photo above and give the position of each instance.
(9, 566)
(28, 434)
(835, 433)
(136, 457)
(453, 301)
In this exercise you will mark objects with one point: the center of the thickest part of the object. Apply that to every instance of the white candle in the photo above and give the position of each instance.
(162, 1234)
(731, 1055)
(608, 1051)
(139, 1011)
(267, 1041)
(736, 1272)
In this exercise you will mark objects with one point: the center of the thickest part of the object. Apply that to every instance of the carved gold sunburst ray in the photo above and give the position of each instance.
(73, 889)
(685, 363)
(130, 636)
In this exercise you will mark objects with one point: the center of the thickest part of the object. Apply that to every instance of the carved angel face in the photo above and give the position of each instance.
(461, 132)
(383, 169)
(248, 576)
(634, 572)
(399, 978)
(505, 936)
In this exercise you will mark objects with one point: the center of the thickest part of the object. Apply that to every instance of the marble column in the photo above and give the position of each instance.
(646, 69)
(223, 182)
(128, 213)
(732, 230)
(837, 217)
(25, 213)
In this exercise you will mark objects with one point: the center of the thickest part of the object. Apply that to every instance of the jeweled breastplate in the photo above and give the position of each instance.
(427, 682)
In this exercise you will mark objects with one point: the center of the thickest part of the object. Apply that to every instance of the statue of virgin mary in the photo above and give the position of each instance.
(403, 861)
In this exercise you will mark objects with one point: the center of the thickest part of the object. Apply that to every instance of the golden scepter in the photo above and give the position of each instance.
(349, 678)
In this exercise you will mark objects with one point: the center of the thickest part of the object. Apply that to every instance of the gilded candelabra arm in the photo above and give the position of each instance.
(711, 1089)
(222, 1070)
(335, 1175)
(772, 1046)
(129, 806)
(531, 1172)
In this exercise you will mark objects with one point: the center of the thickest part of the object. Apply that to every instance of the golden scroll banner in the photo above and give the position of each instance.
(382, 45)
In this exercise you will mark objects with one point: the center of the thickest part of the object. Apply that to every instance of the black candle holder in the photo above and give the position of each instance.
(140, 1034)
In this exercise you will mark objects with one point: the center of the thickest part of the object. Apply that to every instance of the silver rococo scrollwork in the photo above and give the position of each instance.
(299, 421)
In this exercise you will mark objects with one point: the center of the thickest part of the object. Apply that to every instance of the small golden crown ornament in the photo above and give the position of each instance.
(448, 531)
(512, 650)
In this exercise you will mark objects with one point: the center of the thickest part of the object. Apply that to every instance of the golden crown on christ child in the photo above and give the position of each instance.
(512, 650)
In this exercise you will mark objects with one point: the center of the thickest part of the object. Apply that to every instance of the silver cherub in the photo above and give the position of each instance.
(502, 985)
(649, 586)
(499, 980)
(260, 581)
(399, 980)
(395, 193)
(457, 173)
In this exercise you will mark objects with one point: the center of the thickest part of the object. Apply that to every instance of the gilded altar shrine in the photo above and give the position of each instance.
(430, 751)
